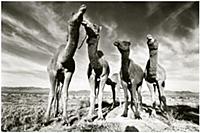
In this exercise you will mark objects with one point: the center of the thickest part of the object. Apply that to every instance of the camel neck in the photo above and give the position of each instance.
(72, 42)
(125, 61)
(92, 52)
(125, 57)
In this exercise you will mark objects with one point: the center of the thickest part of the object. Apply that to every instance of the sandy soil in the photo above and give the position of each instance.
(24, 112)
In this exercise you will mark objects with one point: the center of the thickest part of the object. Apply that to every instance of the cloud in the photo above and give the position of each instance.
(31, 32)
(176, 13)
(152, 8)
(19, 71)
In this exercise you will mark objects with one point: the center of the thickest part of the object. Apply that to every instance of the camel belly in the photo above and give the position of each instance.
(60, 77)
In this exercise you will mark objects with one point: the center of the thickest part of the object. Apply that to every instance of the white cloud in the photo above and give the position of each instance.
(22, 30)
(110, 29)
(17, 71)
(49, 19)
(16, 63)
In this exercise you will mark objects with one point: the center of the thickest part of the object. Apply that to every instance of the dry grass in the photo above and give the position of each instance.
(25, 111)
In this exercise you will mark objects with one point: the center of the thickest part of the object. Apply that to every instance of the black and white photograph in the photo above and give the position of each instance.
(100, 66)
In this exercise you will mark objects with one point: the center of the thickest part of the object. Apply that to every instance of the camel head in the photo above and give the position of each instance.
(123, 46)
(92, 30)
(77, 18)
(151, 42)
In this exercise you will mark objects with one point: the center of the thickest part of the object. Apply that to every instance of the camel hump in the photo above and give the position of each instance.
(135, 66)
(52, 63)
(135, 71)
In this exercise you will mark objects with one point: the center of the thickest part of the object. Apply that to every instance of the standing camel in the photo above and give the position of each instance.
(98, 70)
(131, 78)
(155, 74)
(62, 66)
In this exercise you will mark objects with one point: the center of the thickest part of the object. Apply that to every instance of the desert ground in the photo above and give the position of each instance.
(22, 109)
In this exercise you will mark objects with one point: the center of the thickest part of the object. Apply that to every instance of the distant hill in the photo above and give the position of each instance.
(84, 92)
(24, 90)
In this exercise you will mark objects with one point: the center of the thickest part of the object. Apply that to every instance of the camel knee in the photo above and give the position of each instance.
(163, 98)
(126, 96)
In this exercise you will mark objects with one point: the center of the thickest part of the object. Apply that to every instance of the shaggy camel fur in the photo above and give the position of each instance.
(98, 70)
(155, 74)
(61, 66)
(131, 77)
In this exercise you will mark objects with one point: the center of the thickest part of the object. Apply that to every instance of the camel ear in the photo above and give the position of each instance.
(100, 28)
(129, 43)
(73, 13)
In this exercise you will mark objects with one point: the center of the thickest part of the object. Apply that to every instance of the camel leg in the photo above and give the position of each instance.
(119, 87)
(68, 76)
(163, 98)
(126, 100)
(114, 95)
(134, 100)
(51, 96)
(113, 86)
(92, 96)
(152, 92)
(139, 91)
(57, 99)
(100, 96)
(159, 93)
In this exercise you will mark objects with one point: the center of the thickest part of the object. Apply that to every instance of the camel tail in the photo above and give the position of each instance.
(163, 84)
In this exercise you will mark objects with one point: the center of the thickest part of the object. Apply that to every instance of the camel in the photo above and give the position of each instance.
(131, 76)
(62, 66)
(98, 70)
(155, 74)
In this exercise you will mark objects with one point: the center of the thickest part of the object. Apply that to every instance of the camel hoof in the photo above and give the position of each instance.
(124, 115)
(113, 106)
(88, 119)
(65, 121)
(137, 116)
(153, 114)
(46, 121)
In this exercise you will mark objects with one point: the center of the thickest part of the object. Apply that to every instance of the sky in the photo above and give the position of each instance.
(31, 32)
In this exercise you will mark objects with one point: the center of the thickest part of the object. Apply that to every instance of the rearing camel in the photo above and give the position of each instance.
(61, 66)
(98, 70)
(131, 78)
(155, 74)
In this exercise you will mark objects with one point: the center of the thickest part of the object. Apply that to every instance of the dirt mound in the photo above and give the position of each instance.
(115, 123)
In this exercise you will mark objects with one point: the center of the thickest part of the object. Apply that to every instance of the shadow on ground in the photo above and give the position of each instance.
(185, 112)
(179, 112)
